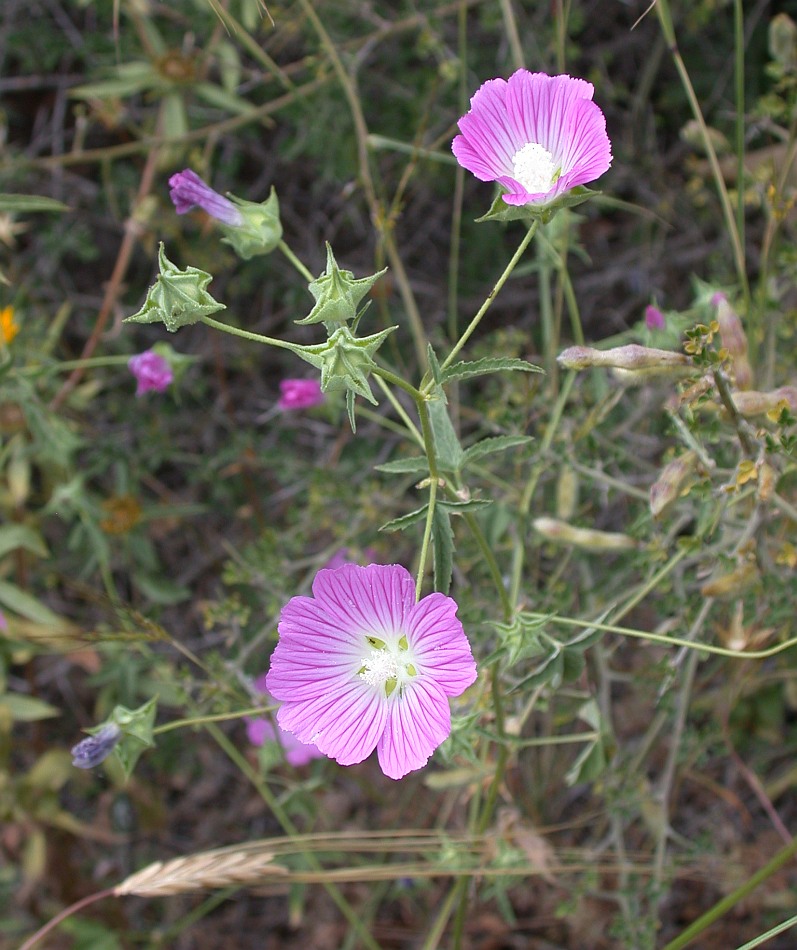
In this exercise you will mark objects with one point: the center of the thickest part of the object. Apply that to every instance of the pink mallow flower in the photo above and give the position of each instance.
(654, 318)
(361, 666)
(538, 136)
(152, 371)
(188, 190)
(300, 394)
(260, 731)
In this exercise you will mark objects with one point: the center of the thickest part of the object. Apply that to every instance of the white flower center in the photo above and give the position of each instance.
(534, 168)
(388, 664)
(379, 667)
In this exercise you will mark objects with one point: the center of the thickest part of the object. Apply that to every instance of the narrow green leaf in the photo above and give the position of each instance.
(16, 204)
(27, 606)
(460, 507)
(416, 465)
(434, 365)
(443, 549)
(27, 708)
(222, 99)
(13, 536)
(498, 443)
(489, 364)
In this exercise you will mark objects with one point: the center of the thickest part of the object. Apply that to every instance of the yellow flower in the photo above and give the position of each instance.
(8, 329)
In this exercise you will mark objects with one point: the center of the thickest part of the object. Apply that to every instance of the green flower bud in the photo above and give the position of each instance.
(259, 230)
(345, 360)
(337, 294)
(177, 298)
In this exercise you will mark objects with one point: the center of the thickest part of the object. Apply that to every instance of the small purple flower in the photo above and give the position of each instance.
(152, 371)
(361, 666)
(260, 731)
(654, 318)
(538, 136)
(187, 190)
(95, 749)
(300, 394)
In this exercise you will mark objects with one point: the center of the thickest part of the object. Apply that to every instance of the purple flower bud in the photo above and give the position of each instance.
(152, 371)
(95, 749)
(300, 394)
(654, 318)
(187, 190)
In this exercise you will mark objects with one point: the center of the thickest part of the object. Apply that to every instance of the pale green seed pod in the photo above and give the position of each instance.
(645, 360)
(566, 493)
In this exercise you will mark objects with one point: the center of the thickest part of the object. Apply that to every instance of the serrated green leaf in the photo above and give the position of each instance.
(461, 507)
(399, 524)
(443, 549)
(17, 204)
(498, 443)
(13, 536)
(490, 364)
(434, 365)
(415, 465)
(446, 444)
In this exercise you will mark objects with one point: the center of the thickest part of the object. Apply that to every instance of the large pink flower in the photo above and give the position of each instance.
(536, 135)
(361, 666)
(260, 731)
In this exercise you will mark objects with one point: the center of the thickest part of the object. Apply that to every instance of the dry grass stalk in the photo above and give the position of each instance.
(203, 871)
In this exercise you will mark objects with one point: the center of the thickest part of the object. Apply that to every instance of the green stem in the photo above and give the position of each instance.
(431, 458)
(220, 717)
(248, 335)
(738, 28)
(723, 906)
(296, 262)
(779, 929)
(490, 298)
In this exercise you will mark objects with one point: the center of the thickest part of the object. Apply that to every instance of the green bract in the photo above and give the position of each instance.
(178, 297)
(260, 231)
(338, 293)
(345, 360)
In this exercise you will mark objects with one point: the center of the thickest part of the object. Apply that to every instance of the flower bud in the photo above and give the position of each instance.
(97, 747)
(671, 481)
(633, 358)
(177, 298)
(337, 294)
(560, 532)
(734, 340)
(345, 361)
(783, 41)
(187, 190)
(152, 372)
(300, 394)
(654, 318)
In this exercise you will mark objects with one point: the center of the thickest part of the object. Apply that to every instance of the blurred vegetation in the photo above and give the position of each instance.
(148, 544)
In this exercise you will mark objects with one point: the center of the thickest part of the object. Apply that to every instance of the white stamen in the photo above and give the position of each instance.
(379, 667)
(534, 168)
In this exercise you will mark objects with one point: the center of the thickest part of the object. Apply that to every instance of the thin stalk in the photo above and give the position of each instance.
(665, 19)
(219, 717)
(727, 903)
(738, 30)
(290, 829)
(248, 335)
(490, 298)
(459, 179)
(779, 929)
(431, 458)
(66, 912)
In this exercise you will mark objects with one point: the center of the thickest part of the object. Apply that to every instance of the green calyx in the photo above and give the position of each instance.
(178, 297)
(261, 229)
(337, 294)
(345, 361)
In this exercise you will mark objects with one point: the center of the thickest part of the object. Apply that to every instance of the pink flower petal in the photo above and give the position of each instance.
(416, 725)
(439, 644)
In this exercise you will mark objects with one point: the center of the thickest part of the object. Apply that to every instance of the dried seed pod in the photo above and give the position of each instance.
(754, 403)
(631, 357)
(566, 493)
(734, 340)
(560, 532)
(672, 482)
(730, 585)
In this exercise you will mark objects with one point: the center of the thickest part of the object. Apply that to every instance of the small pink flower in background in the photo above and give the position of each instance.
(152, 371)
(300, 394)
(654, 318)
(187, 190)
(538, 136)
(260, 731)
(361, 666)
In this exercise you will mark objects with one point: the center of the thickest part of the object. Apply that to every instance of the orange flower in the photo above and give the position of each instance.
(8, 329)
